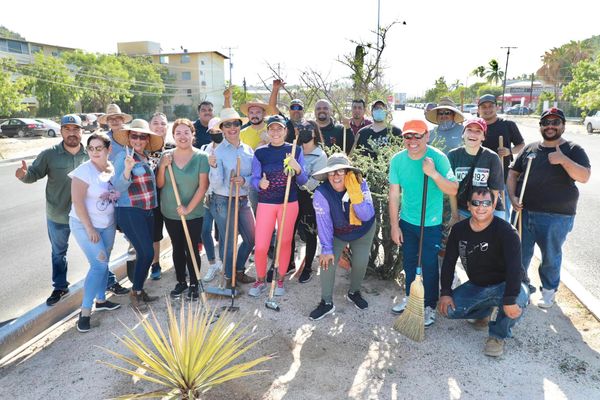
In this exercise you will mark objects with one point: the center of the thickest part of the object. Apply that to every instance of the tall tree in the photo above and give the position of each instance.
(584, 88)
(146, 85)
(12, 90)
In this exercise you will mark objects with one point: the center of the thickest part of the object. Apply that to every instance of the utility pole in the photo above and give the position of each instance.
(230, 63)
(505, 75)
(377, 48)
(244, 83)
(531, 92)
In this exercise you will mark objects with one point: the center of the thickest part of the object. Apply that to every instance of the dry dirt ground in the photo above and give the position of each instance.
(351, 354)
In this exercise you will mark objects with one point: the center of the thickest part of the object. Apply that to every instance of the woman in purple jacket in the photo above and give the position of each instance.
(345, 215)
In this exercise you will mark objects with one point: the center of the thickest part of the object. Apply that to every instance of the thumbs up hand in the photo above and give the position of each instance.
(264, 183)
(557, 157)
(21, 172)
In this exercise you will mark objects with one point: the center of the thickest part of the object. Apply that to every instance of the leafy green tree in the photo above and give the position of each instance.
(146, 85)
(12, 91)
(489, 89)
(7, 33)
(584, 89)
(543, 97)
(53, 85)
(439, 90)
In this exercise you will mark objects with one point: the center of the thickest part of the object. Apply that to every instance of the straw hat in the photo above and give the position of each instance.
(229, 114)
(335, 162)
(111, 111)
(155, 142)
(445, 104)
(257, 103)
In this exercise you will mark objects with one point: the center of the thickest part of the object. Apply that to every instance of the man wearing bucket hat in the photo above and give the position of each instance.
(499, 127)
(345, 216)
(447, 135)
(550, 198)
(408, 169)
(135, 181)
(379, 131)
(224, 162)
(56, 163)
(254, 134)
(115, 119)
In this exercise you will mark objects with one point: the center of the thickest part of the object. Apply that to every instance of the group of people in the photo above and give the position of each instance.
(273, 165)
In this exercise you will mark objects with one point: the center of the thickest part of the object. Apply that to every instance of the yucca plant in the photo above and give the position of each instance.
(196, 354)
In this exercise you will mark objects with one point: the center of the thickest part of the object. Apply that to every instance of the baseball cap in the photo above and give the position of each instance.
(70, 119)
(415, 126)
(276, 119)
(554, 111)
(476, 121)
(297, 102)
(379, 101)
(485, 98)
(214, 122)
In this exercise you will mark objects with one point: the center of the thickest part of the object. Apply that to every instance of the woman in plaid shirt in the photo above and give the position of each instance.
(135, 181)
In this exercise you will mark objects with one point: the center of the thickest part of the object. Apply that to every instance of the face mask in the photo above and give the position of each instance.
(379, 115)
(445, 125)
(216, 137)
(305, 136)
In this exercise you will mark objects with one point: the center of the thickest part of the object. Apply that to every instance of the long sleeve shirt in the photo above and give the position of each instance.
(227, 154)
(56, 163)
(140, 189)
(313, 162)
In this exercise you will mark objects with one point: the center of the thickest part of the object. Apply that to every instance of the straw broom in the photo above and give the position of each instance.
(412, 321)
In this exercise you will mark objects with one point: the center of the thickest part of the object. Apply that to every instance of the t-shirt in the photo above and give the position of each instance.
(381, 137)
(333, 134)
(512, 137)
(487, 172)
(100, 196)
(549, 188)
(408, 173)
(489, 257)
(447, 140)
(252, 136)
(187, 179)
(202, 135)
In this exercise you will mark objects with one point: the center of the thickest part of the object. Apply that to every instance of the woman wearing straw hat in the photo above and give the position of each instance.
(115, 120)
(345, 215)
(447, 135)
(190, 169)
(135, 181)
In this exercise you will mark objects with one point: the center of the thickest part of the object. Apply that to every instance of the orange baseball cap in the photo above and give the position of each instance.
(415, 126)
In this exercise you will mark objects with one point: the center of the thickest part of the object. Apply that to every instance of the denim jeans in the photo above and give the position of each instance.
(138, 225)
(549, 231)
(432, 238)
(207, 238)
(218, 208)
(59, 242)
(507, 206)
(476, 302)
(98, 255)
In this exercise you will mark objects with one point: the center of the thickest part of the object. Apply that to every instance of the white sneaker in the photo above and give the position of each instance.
(547, 299)
(212, 271)
(400, 307)
(429, 316)
(256, 289)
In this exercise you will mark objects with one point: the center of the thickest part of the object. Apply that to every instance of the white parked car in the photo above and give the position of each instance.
(592, 122)
(470, 108)
(53, 127)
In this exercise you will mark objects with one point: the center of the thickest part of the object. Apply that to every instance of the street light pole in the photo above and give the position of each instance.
(505, 75)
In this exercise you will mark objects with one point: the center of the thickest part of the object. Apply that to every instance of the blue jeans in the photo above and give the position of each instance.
(218, 208)
(138, 225)
(98, 255)
(59, 242)
(549, 231)
(476, 302)
(432, 238)
(207, 238)
(507, 206)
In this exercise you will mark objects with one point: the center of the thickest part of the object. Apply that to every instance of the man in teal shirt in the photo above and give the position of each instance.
(55, 163)
(407, 170)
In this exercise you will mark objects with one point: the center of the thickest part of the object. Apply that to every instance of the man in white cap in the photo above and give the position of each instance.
(448, 134)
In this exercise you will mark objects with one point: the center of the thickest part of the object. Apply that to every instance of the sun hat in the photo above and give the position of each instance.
(476, 121)
(111, 111)
(155, 142)
(444, 104)
(335, 162)
(415, 126)
(256, 103)
(229, 114)
(553, 111)
(71, 119)
(486, 98)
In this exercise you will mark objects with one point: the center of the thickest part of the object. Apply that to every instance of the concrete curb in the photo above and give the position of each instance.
(12, 160)
(20, 331)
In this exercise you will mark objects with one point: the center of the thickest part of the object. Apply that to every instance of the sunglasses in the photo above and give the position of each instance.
(440, 113)
(97, 148)
(138, 137)
(296, 107)
(340, 172)
(551, 122)
(231, 124)
(409, 136)
(483, 203)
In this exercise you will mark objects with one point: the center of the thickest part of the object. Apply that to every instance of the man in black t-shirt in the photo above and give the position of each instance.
(379, 131)
(495, 293)
(332, 132)
(205, 114)
(550, 197)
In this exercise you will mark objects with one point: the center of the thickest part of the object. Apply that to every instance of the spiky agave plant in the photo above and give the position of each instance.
(197, 352)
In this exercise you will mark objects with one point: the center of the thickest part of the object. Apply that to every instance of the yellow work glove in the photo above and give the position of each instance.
(286, 167)
(356, 195)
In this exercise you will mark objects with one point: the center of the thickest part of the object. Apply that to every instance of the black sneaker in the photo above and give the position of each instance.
(305, 276)
(179, 289)
(358, 300)
(56, 295)
(291, 269)
(117, 289)
(83, 324)
(192, 293)
(107, 306)
(322, 310)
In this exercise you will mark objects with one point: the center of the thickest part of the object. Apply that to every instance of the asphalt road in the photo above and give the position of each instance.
(581, 254)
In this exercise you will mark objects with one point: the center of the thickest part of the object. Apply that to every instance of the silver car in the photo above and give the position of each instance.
(592, 122)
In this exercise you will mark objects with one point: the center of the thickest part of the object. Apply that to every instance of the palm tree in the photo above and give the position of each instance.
(493, 72)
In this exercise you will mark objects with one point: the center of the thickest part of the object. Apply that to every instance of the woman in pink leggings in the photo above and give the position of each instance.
(269, 179)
